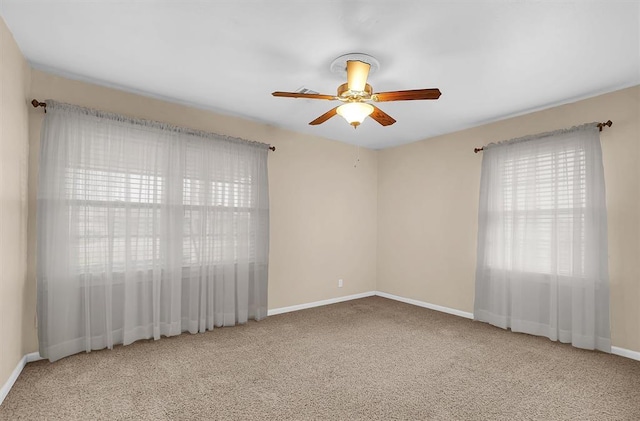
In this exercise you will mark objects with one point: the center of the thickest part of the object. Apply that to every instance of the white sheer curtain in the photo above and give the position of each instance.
(145, 230)
(542, 238)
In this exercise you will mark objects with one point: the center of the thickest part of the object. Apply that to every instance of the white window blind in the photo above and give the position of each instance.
(114, 218)
(542, 212)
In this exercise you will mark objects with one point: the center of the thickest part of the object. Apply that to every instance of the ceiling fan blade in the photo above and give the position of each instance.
(381, 117)
(407, 95)
(357, 73)
(300, 95)
(324, 117)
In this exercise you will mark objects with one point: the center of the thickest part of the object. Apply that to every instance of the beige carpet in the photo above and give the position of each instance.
(366, 359)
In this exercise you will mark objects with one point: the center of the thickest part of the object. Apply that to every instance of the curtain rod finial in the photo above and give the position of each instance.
(37, 104)
(609, 123)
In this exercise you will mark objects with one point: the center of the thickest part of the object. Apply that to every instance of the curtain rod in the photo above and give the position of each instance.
(37, 104)
(608, 123)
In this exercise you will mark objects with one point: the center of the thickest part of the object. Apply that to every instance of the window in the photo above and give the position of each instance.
(115, 214)
(120, 215)
(231, 201)
(542, 215)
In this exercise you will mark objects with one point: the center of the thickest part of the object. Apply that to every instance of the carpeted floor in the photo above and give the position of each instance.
(365, 359)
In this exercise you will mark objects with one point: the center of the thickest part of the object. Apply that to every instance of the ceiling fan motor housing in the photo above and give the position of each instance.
(345, 94)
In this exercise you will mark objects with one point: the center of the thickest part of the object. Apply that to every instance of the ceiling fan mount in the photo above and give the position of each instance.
(339, 65)
(357, 93)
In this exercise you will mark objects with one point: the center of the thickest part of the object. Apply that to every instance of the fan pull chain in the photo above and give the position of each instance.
(355, 164)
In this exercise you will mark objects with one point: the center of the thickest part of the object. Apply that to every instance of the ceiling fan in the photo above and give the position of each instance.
(356, 94)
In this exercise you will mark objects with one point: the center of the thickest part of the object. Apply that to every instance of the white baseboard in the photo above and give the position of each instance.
(430, 306)
(12, 378)
(623, 352)
(297, 307)
(6, 387)
(442, 309)
(33, 356)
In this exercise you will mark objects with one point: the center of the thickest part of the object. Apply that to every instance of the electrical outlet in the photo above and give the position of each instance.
(339, 283)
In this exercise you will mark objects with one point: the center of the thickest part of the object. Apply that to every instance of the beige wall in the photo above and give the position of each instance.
(323, 210)
(14, 85)
(404, 221)
(428, 207)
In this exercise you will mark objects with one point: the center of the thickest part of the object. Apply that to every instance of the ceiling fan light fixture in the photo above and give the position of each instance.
(355, 112)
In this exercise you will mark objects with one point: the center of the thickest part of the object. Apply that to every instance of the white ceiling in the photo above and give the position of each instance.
(490, 59)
